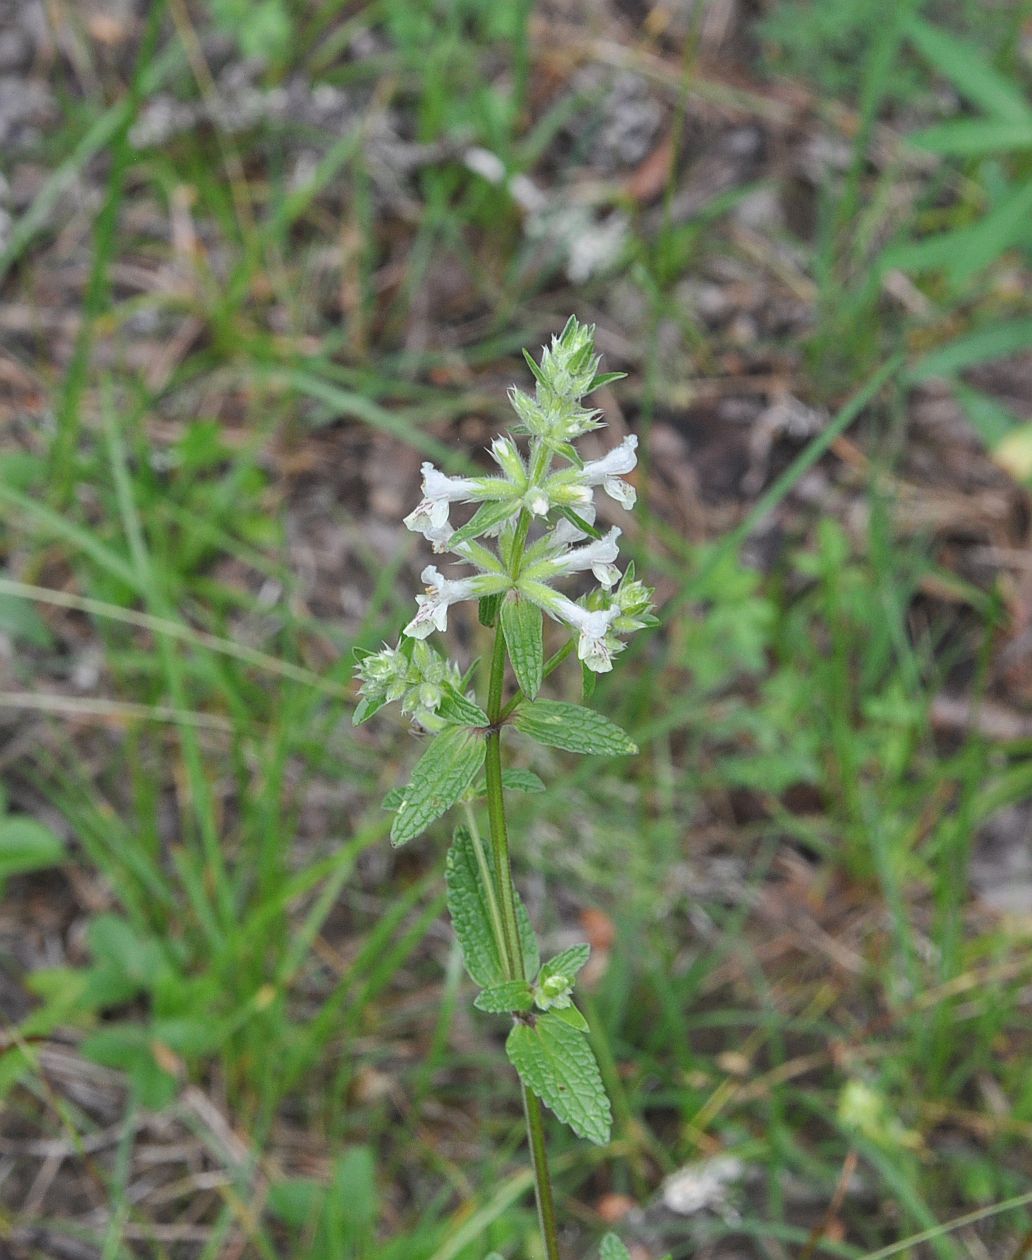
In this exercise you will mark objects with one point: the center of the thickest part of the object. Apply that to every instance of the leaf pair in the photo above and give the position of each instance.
(548, 1050)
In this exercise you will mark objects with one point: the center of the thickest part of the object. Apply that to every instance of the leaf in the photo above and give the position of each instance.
(605, 378)
(455, 707)
(476, 916)
(579, 522)
(26, 845)
(365, 709)
(521, 625)
(962, 63)
(570, 726)
(521, 781)
(487, 610)
(572, 1016)
(474, 911)
(589, 681)
(439, 778)
(484, 518)
(502, 999)
(567, 964)
(974, 137)
(613, 1249)
(539, 376)
(979, 346)
(556, 1063)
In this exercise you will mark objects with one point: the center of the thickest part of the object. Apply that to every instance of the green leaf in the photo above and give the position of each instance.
(521, 625)
(365, 709)
(579, 522)
(993, 342)
(521, 781)
(568, 963)
(476, 916)
(963, 64)
(474, 910)
(605, 378)
(570, 726)
(589, 681)
(539, 376)
(486, 516)
(502, 999)
(26, 845)
(975, 137)
(613, 1249)
(556, 1063)
(570, 1015)
(487, 610)
(455, 707)
(439, 779)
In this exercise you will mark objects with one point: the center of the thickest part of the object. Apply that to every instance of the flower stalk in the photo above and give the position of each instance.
(531, 525)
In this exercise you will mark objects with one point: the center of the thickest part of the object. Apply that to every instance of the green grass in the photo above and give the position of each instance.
(786, 871)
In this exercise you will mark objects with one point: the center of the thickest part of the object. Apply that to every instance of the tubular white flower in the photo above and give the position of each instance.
(430, 516)
(592, 647)
(441, 593)
(598, 556)
(606, 472)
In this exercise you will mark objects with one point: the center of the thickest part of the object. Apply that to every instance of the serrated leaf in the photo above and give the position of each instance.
(503, 999)
(393, 798)
(572, 727)
(455, 707)
(522, 627)
(474, 911)
(579, 522)
(521, 781)
(567, 963)
(439, 779)
(484, 518)
(613, 1249)
(556, 1063)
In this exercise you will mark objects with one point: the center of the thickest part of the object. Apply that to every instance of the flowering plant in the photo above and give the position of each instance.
(533, 526)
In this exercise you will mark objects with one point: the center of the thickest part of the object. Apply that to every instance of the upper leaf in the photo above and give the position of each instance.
(556, 1063)
(572, 727)
(521, 625)
(439, 778)
(568, 963)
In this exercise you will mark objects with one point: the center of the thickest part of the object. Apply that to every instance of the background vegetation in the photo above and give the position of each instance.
(259, 259)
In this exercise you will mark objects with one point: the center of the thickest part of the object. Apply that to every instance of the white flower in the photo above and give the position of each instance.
(592, 646)
(605, 472)
(565, 532)
(441, 593)
(430, 515)
(598, 556)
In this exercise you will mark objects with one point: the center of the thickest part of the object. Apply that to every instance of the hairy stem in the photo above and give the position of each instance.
(506, 895)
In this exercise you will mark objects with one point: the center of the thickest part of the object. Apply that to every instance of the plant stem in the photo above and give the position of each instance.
(511, 942)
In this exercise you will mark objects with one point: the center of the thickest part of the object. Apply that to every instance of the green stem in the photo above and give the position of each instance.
(514, 953)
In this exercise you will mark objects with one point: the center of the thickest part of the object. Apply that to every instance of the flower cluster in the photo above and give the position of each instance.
(414, 674)
(532, 526)
(559, 496)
